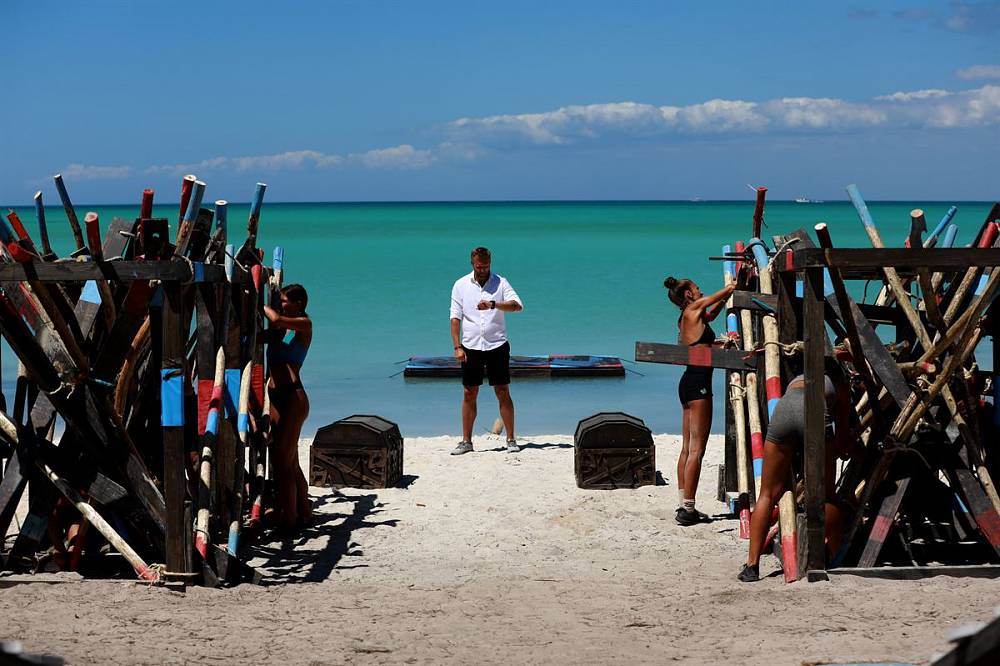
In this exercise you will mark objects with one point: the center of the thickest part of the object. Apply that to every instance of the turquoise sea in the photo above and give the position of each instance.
(590, 274)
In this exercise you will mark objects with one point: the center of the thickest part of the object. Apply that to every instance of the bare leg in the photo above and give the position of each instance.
(506, 408)
(777, 463)
(469, 408)
(699, 424)
(685, 442)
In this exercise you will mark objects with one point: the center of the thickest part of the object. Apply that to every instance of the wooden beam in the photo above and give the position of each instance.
(122, 271)
(917, 573)
(172, 378)
(905, 260)
(815, 456)
(699, 356)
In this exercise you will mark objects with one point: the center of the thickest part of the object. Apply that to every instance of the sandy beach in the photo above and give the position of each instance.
(499, 558)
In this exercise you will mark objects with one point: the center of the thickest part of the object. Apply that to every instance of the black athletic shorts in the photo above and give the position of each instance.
(495, 363)
(695, 384)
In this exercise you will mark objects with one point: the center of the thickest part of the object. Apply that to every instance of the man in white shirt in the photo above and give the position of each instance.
(479, 335)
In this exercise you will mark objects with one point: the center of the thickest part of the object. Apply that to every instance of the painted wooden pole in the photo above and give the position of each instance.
(187, 186)
(221, 224)
(243, 428)
(107, 299)
(74, 223)
(43, 230)
(146, 209)
(19, 230)
(739, 408)
(202, 536)
(753, 404)
(194, 205)
(260, 471)
(254, 220)
(932, 238)
(758, 211)
(773, 390)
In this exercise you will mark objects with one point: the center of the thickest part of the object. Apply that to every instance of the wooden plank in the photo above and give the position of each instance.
(757, 302)
(885, 517)
(814, 465)
(698, 356)
(918, 573)
(903, 260)
(120, 271)
(172, 378)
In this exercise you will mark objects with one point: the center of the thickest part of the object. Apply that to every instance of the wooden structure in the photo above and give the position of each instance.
(613, 450)
(158, 422)
(918, 488)
(357, 452)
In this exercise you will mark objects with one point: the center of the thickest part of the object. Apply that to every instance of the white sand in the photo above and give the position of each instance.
(498, 558)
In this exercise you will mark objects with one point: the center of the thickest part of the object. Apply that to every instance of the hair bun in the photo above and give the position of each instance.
(670, 282)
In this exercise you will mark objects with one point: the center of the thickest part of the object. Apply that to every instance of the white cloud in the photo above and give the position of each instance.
(910, 96)
(469, 138)
(403, 156)
(979, 72)
(568, 124)
(77, 171)
(195, 167)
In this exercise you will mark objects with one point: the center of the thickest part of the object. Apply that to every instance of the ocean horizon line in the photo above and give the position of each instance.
(438, 202)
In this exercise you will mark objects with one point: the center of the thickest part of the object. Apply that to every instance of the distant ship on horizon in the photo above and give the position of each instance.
(805, 200)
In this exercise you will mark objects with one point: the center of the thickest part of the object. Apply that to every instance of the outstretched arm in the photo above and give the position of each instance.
(712, 305)
(301, 324)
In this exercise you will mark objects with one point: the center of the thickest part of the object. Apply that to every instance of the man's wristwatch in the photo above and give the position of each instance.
(493, 305)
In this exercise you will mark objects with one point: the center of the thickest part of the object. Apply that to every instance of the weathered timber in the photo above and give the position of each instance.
(904, 260)
(757, 302)
(121, 271)
(815, 454)
(172, 378)
(699, 356)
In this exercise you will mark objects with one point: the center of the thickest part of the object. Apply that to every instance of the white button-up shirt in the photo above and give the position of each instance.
(482, 330)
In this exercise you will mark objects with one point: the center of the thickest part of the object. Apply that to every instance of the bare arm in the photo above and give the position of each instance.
(299, 324)
(709, 307)
(456, 339)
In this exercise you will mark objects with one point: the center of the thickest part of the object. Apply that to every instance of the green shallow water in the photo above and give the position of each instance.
(590, 274)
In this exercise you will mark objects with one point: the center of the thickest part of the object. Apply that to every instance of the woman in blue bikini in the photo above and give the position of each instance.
(289, 403)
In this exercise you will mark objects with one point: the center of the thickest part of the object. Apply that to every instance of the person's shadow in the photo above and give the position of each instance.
(290, 561)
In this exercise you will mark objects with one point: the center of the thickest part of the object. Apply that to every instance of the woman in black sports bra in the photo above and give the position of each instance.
(695, 388)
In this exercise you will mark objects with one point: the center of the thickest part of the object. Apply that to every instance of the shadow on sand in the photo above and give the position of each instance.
(290, 561)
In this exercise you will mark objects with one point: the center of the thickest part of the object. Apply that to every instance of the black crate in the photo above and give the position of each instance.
(360, 451)
(614, 450)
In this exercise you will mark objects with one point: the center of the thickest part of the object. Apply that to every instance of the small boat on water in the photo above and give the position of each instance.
(556, 365)
(802, 200)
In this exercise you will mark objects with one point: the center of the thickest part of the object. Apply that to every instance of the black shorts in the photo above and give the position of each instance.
(695, 384)
(495, 363)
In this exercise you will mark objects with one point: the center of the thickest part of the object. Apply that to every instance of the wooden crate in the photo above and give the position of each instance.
(360, 451)
(614, 450)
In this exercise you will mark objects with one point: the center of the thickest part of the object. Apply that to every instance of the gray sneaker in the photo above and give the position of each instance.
(463, 447)
(512, 446)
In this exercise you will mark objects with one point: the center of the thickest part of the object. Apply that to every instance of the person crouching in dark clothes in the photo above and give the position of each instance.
(784, 441)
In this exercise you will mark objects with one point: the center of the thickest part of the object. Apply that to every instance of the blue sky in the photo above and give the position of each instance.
(330, 101)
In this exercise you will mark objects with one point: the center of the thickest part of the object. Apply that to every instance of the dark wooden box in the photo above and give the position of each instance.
(614, 450)
(360, 451)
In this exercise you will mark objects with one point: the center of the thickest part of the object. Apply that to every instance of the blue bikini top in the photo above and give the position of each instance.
(291, 351)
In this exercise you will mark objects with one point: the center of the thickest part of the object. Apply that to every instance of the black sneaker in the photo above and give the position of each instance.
(687, 518)
(750, 574)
